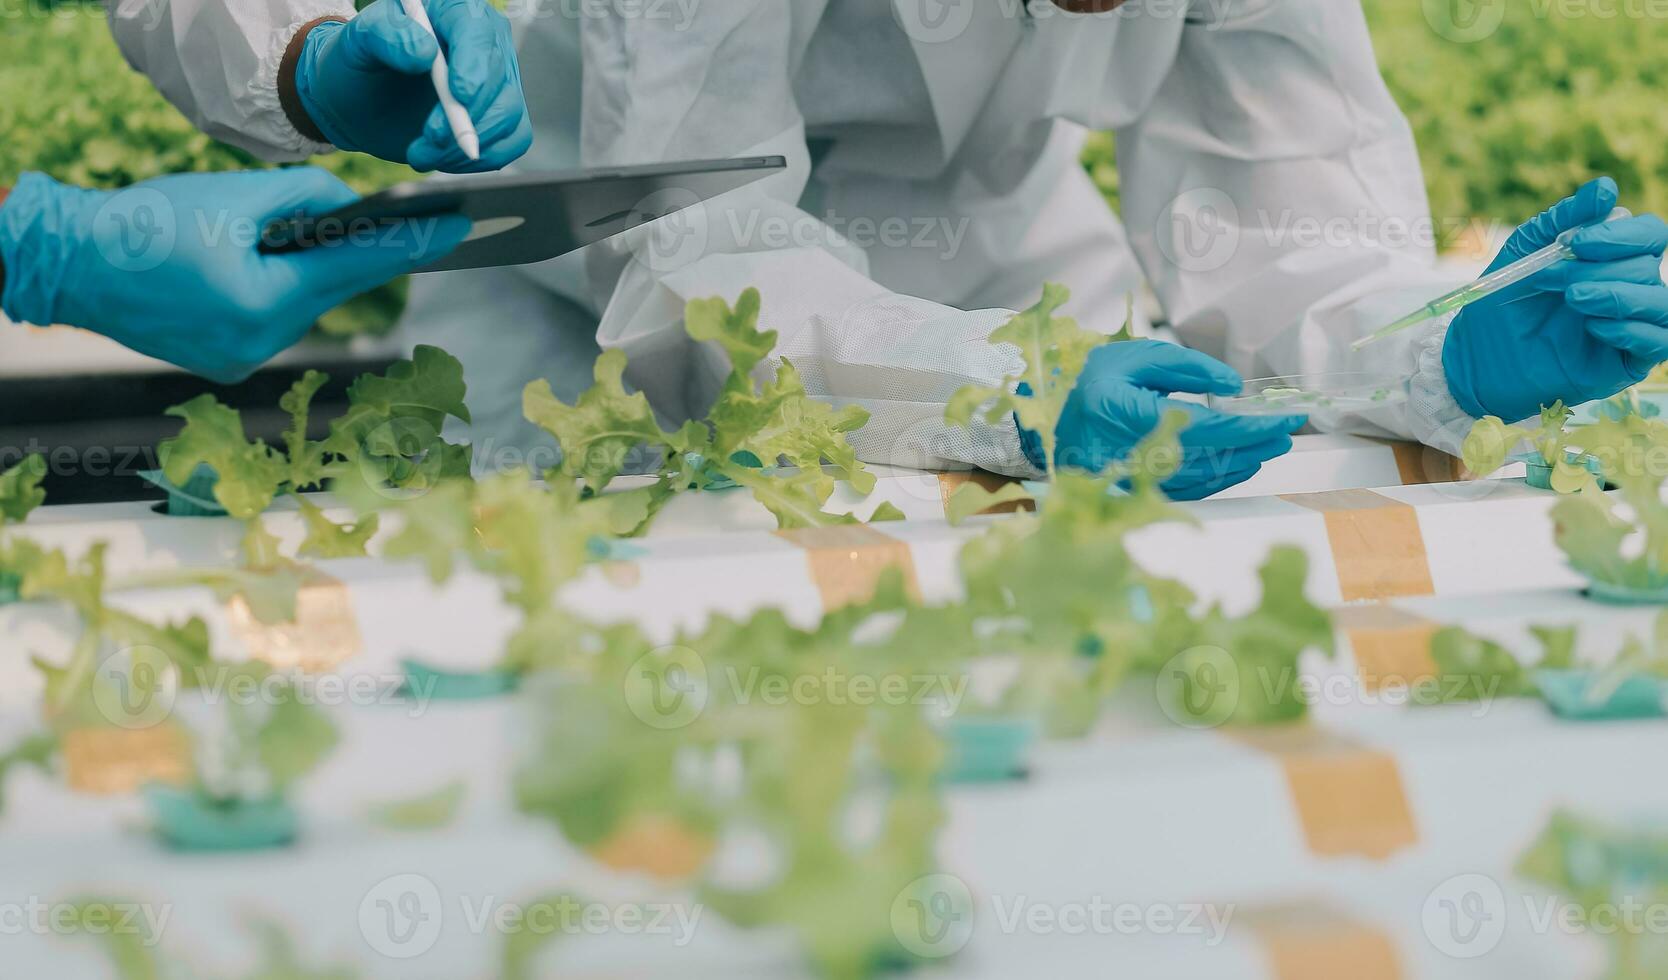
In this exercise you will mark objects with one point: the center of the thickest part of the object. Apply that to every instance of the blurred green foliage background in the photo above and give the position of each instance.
(1511, 123)
(1506, 125)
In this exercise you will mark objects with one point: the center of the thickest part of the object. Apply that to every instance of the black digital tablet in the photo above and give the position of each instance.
(522, 218)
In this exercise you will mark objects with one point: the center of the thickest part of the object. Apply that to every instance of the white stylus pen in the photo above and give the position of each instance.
(463, 128)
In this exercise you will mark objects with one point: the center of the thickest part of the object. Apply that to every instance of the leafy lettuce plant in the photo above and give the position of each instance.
(389, 437)
(51, 577)
(1486, 447)
(136, 953)
(531, 539)
(1620, 539)
(1600, 868)
(659, 756)
(264, 748)
(750, 430)
(31, 573)
(1475, 668)
(1054, 350)
(20, 494)
(1061, 591)
(20, 489)
(655, 757)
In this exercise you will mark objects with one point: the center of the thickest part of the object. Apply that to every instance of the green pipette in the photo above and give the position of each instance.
(1490, 284)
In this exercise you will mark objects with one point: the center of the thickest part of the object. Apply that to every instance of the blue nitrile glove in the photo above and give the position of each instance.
(1584, 329)
(171, 267)
(1119, 399)
(366, 85)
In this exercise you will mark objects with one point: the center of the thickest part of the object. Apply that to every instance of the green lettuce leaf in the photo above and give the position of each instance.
(20, 489)
(249, 474)
(887, 512)
(971, 499)
(1588, 530)
(1487, 444)
(1472, 668)
(293, 740)
(430, 811)
(327, 539)
(599, 431)
(434, 529)
(390, 434)
(36, 750)
(1054, 349)
(306, 458)
(737, 331)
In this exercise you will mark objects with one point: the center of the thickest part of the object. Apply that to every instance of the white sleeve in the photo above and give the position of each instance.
(217, 62)
(1274, 198)
(720, 86)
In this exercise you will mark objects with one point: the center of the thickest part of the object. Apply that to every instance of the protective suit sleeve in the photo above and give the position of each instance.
(1274, 198)
(217, 62)
(721, 86)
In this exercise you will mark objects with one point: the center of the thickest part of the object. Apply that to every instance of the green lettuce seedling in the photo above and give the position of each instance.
(1474, 668)
(20, 493)
(36, 750)
(1620, 539)
(80, 585)
(1490, 441)
(389, 436)
(1054, 351)
(750, 429)
(1598, 869)
(20, 489)
(614, 742)
(1061, 590)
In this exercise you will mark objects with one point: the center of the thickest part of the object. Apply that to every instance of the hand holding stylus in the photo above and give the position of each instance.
(429, 83)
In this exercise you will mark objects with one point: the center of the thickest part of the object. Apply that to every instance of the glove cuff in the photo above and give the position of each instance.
(290, 74)
(42, 227)
(310, 115)
(1437, 418)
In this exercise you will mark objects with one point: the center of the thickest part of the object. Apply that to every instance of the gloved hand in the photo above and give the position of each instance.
(171, 267)
(1583, 329)
(1119, 399)
(366, 85)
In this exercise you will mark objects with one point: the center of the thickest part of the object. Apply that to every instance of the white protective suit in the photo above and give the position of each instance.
(1270, 190)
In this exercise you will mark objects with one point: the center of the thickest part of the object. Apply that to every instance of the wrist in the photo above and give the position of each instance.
(42, 226)
(294, 76)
